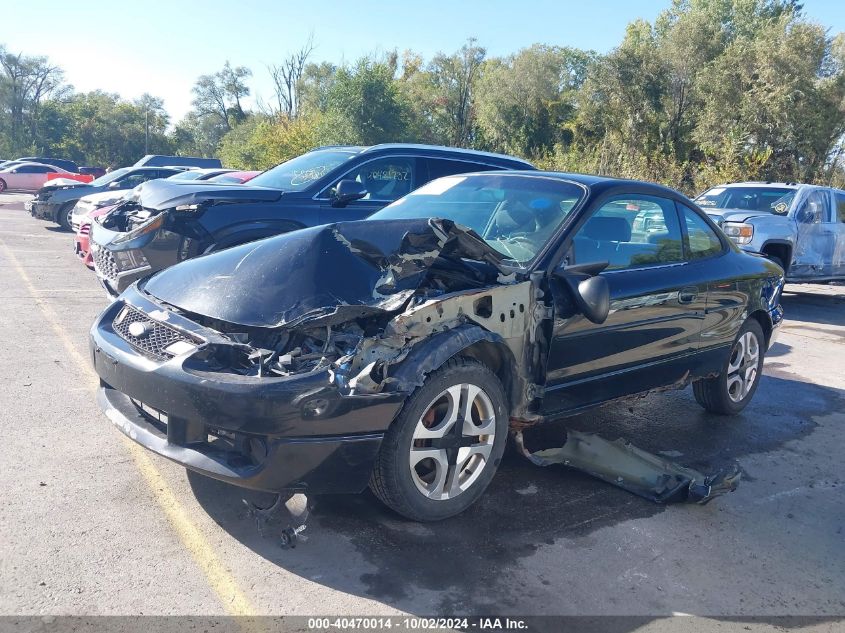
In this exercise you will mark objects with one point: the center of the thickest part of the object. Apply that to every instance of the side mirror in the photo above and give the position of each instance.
(115, 185)
(590, 290)
(346, 191)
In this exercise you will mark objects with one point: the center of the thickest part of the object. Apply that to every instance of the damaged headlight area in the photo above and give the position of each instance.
(132, 220)
(268, 353)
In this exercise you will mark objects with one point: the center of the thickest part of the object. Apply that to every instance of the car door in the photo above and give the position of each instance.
(386, 179)
(39, 175)
(839, 230)
(24, 177)
(816, 236)
(725, 303)
(656, 309)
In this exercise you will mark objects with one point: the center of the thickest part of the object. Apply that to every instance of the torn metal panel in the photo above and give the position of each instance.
(633, 469)
(335, 273)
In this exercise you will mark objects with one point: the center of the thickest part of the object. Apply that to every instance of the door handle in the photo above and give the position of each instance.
(688, 294)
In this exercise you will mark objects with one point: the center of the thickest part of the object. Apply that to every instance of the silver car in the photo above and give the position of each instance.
(800, 227)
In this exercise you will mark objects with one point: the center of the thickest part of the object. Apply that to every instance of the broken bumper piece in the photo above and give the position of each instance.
(624, 465)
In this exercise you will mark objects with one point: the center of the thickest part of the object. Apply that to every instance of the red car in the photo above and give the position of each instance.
(81, 243)
(235, 177)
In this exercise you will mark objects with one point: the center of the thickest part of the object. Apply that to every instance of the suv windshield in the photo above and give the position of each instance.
(516, 215)
(299, 172)
(771, 199)
(107, 178)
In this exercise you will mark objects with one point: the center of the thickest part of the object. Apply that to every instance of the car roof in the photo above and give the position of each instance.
(433, 150)
(594, 182)
(762, 183)
(30, 163)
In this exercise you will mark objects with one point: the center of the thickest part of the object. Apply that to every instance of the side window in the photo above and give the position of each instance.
(840, 206)
(437, 168)
(703, 240)
(26, 169)
(816, 208)
(385, 178)
(630, 232)
(133, 180)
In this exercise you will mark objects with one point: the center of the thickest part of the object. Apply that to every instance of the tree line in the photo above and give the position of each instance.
(711, 91)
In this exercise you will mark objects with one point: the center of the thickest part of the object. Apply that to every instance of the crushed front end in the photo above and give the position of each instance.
(280, 364)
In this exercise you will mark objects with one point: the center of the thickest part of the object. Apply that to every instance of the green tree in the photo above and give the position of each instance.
(525, 102)
(364, 105)
(440, 95)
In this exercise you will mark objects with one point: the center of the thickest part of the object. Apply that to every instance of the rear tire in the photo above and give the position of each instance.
(734, 387)
(443, 449)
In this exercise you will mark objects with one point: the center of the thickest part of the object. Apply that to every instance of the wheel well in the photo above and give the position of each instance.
(765, 323)
(498, 359)
(781, 251)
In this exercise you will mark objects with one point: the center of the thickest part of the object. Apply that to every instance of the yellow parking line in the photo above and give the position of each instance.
(217, 575)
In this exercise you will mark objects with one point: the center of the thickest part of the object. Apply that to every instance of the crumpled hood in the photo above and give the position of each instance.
(160, 195)
(63, 183)
(735, 215)
(335, 272)
(103, 197)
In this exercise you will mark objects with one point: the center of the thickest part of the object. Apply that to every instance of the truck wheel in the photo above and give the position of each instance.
(732, 390)
(442, 451)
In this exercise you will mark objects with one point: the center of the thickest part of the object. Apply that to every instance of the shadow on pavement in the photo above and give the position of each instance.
(813, 307)
(359, 547)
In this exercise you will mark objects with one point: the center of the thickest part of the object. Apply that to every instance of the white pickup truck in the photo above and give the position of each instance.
(801, 227)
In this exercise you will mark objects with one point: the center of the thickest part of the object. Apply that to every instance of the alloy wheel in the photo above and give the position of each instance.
(452, 442)
(743, 366)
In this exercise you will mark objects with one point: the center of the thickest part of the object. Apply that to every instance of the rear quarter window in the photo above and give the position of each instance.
(438, 168)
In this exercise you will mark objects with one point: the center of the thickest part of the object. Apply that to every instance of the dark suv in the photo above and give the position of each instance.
(56, 201)
(168, 222)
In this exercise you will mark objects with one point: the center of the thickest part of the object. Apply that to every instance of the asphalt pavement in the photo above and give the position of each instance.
(91, 524)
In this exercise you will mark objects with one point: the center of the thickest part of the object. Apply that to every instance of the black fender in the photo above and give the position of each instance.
(469, 340)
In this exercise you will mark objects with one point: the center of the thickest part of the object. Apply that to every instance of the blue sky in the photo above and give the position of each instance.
(161, 47)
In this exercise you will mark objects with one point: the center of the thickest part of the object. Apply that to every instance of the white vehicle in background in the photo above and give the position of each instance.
(26, 176)
(800, 227)
(95, 201)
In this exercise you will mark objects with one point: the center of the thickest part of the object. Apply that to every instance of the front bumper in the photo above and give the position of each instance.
(776, 316)
(272, 433)
(43, 210)
(81, 247)
(159, 250)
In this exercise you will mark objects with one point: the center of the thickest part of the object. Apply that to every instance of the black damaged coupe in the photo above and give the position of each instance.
(396, 351)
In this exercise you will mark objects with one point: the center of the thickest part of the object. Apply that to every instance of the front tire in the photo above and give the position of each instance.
(63, 217)
(2, 185)
(734, 387)
(443, 449)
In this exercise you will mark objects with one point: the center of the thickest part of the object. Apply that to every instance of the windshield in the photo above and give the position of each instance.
(297, 173)
(770, 199)
(107, 178)
(516, 215)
